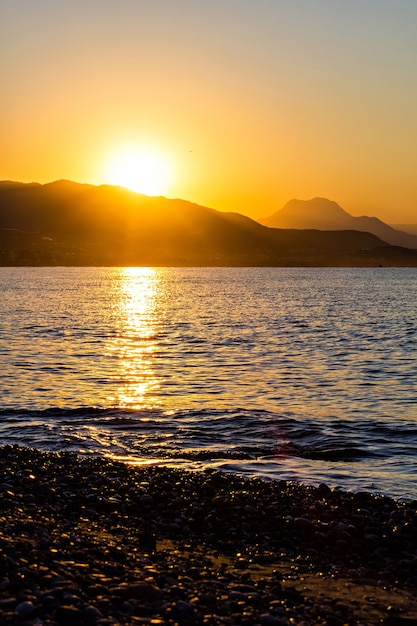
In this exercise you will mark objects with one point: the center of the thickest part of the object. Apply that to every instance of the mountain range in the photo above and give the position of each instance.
(325, 214)
(67, 223)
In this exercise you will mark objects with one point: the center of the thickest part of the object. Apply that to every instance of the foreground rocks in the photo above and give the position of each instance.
(95, 542)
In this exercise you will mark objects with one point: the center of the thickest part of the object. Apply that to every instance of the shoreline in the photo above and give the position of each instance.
(88, 540)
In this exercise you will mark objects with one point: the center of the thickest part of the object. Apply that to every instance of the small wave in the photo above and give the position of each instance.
(207, 433)
(337, 454)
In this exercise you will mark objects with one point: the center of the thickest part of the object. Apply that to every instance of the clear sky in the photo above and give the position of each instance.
(249, 103)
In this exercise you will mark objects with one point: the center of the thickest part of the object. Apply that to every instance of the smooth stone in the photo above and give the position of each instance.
(69, 615)
(146, 499)
(24, 609)
(303, 523)
(270, 620)
(92, 613)
(7, 603)
(183, 609)
(141, 591)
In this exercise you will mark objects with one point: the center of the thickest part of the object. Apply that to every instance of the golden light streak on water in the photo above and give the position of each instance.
(135, 345)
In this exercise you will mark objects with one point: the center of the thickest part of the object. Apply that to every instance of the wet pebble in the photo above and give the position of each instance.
(25, 609)
(93, 614)
(69, 615)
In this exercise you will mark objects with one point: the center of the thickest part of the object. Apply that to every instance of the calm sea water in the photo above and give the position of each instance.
(302, 374)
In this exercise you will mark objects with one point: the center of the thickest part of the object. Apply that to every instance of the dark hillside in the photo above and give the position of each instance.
(66, 223)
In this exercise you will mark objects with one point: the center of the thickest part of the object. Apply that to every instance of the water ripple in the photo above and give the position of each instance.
(304, 373)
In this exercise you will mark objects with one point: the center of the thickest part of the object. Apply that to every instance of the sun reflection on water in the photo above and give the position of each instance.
(135, 344)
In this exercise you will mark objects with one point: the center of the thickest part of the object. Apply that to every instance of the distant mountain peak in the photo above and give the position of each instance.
(323, 214)
(316, 205)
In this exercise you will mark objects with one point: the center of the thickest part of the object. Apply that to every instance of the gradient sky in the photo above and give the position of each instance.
(252, 102)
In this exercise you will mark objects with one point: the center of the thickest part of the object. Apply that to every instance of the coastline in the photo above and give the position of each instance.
(94, 541)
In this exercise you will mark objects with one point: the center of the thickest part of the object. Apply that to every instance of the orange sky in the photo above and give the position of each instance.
(251, 103)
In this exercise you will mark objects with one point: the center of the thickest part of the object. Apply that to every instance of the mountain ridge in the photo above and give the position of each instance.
(68, 223)
(326, 214)
(410, 229)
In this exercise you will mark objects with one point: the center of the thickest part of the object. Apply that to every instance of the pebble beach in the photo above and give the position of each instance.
(91, 541)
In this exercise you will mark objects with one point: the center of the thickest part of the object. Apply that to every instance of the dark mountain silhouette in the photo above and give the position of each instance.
(11, 184)
(327, 215)
(411, 229)
(66, 223)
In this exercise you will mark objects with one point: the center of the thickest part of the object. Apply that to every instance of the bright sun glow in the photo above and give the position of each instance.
(144, 171)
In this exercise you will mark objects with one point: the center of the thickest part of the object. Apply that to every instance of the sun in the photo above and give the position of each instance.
(141, 170)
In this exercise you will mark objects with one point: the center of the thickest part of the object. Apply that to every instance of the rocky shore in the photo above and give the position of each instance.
(89, 541)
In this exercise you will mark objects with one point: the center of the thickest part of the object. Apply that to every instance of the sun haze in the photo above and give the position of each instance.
(141, 170)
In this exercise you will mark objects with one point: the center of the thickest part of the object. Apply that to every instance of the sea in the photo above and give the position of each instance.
(299, 374)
